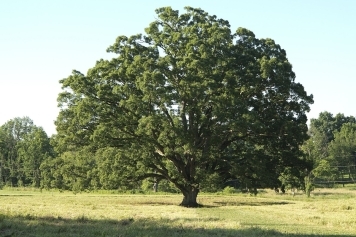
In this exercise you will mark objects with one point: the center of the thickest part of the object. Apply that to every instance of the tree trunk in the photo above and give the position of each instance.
(155, 187)
(190, 197)
(1, 178)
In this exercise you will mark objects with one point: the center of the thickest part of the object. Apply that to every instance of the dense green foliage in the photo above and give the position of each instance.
(189, 102)
(332, 147)
(23, 147)
(28, 159)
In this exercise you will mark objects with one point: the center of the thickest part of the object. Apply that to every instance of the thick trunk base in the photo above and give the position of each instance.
(190, 199)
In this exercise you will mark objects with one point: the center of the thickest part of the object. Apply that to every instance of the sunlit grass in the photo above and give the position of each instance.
(329, 212)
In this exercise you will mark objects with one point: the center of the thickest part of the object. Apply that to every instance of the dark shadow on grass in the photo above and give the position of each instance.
(326, 194)
(32, 226)
(239, 203)
(152, 203)
(217, 204)
(332, 194)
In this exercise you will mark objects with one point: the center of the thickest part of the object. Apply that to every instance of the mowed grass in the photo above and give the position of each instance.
(329, 212)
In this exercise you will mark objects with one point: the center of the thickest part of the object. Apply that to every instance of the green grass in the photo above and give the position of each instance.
(329, 212)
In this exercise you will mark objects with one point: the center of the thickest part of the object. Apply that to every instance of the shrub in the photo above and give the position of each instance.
(229, 190)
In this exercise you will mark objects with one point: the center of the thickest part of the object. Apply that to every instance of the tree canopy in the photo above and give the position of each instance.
(187, 101)
(23, 147)
(331, 145)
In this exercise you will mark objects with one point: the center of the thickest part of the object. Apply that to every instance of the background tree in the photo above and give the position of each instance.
(114, 169)
(327, 123)
(342, 149)
(323, 132)
(11, 133)
(188, 100)
(82, 170)
(72, 170)
(32, 150)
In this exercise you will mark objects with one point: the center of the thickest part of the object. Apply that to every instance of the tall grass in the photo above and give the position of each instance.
(329, 212)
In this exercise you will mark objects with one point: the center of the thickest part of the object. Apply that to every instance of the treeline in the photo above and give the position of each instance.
(332, 148)
(28, 157)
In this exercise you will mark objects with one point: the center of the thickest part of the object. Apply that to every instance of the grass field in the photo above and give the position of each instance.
(328, 212)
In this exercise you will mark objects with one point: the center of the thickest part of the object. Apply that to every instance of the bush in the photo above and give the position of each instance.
(229, 190)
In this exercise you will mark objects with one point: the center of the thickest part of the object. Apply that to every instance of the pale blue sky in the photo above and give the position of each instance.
(42, 41)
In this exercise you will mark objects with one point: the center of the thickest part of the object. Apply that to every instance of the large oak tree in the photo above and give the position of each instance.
(187, 100)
